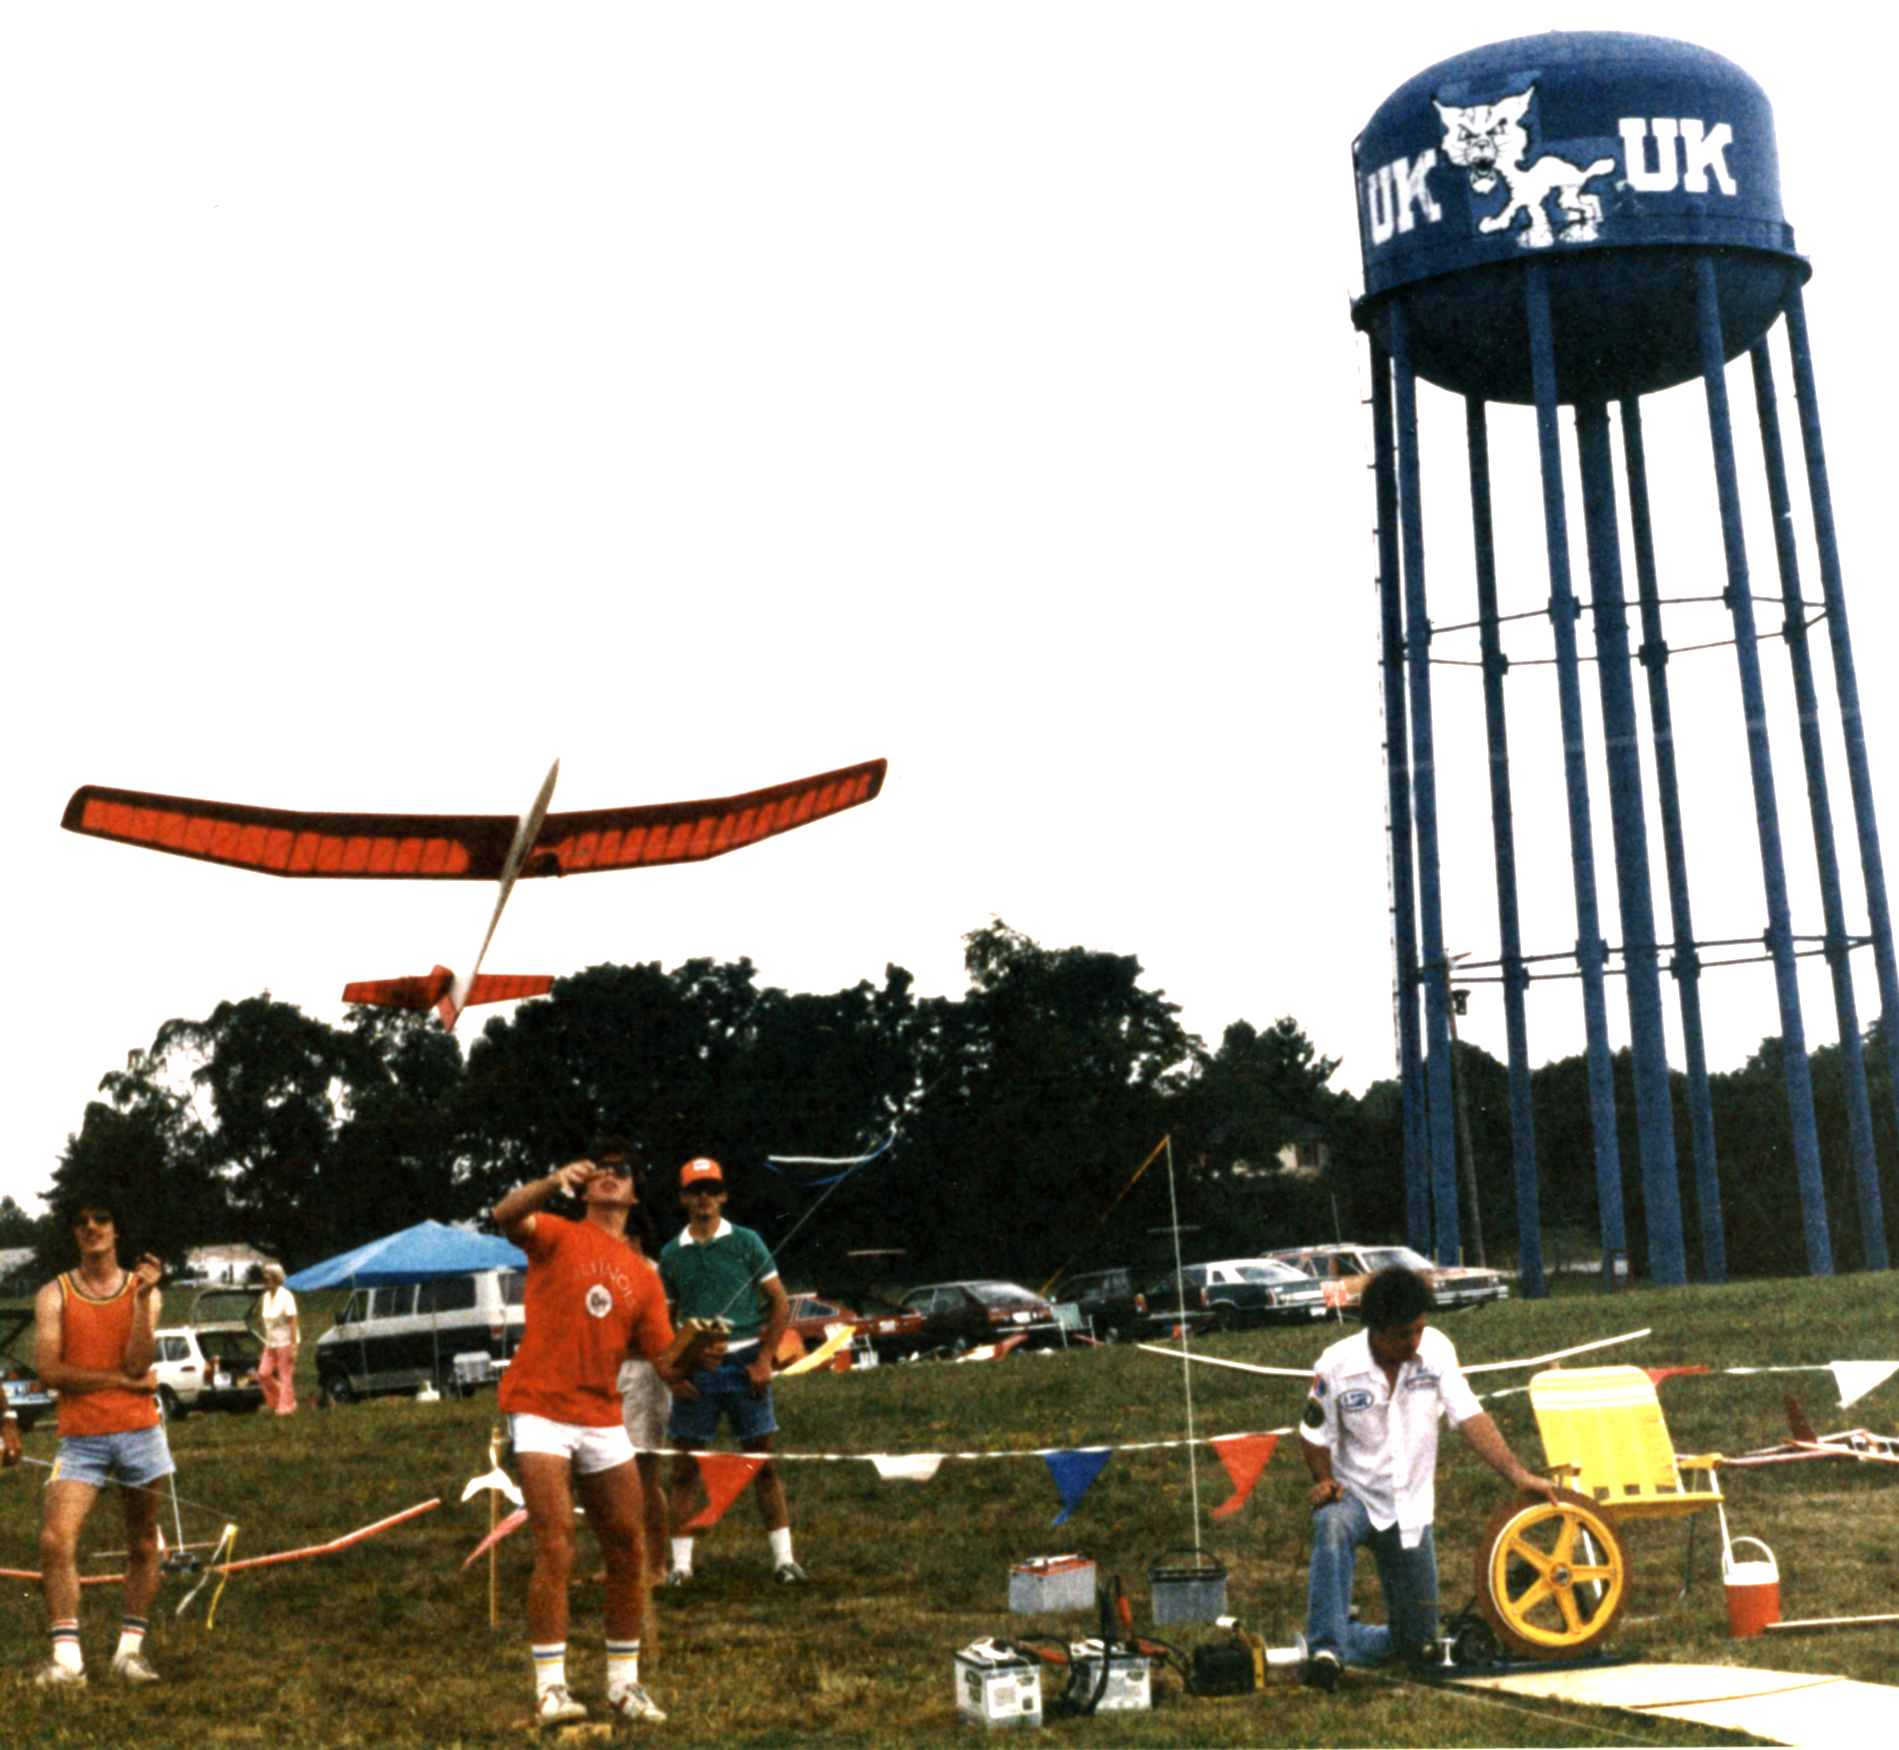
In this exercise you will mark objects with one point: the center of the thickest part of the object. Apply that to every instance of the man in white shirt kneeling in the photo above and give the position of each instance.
(1369, 1436)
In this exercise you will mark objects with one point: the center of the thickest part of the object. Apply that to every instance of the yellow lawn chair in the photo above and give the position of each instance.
(1552, 1579)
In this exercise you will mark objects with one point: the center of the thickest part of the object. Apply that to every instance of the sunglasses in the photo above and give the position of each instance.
(92, 1218)
(619, 1169)
(705, 1188)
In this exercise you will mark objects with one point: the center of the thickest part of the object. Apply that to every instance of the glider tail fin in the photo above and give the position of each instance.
(441, 991)
(1797, 1421)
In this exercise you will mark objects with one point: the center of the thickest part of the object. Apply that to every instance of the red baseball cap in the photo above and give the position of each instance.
(702, 1172)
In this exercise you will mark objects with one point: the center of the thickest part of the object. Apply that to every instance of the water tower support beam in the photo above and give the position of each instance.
(1434, 968)
(1404, 928)
(1740, 604)
(1564, 610)
(1628, 821)
(1503, 836)
(1846, 684)
(1685, 963)
(1859, 1113)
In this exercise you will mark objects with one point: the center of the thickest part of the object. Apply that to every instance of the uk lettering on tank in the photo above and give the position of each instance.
(1546, 199)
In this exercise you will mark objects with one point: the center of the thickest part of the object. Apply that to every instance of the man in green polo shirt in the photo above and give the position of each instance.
(714, 1270)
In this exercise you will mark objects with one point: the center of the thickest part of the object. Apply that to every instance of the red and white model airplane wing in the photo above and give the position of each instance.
(461, 847)
(503, 848)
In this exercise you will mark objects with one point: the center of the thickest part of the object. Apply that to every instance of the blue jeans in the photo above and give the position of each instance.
(725, 1390)
(1407, 1577)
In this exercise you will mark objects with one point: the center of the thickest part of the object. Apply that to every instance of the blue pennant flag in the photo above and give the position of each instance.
(1074, 1474)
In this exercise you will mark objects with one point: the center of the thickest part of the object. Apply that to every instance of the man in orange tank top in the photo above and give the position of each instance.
(93, 1343)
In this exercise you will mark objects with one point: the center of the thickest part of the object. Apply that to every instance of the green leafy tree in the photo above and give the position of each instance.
(1055, 1093)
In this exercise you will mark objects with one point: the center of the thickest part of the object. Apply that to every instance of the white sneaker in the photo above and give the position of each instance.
(555, 1707)
(54, 1675)
(133, 1668)
(790, 1574)
(634, 1705)
(679, 1577)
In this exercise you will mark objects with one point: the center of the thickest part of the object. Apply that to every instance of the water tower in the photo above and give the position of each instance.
(1580, 221)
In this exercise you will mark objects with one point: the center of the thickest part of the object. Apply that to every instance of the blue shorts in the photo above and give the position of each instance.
(725, 1390)
(131, 1460)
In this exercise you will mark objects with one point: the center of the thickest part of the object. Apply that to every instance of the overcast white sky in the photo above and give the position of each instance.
(398, 396)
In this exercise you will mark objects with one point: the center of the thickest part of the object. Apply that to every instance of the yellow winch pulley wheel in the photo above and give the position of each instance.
(1552, 1577)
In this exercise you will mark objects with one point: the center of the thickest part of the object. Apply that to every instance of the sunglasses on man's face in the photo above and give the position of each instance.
(706, 1188)
(92, 1218)
(619, 1169)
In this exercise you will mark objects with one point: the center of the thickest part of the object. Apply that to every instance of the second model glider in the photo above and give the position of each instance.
(463, 847)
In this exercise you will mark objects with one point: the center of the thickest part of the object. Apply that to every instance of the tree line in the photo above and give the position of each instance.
(1002, 1128)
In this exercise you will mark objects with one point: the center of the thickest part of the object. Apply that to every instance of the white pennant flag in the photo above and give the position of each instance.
(912, 1467)
(1857, 1378)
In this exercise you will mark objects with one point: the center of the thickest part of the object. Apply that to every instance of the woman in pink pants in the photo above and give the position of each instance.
(278, 1310)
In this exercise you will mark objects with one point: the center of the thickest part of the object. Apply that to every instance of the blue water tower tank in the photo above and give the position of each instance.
(1616, 161)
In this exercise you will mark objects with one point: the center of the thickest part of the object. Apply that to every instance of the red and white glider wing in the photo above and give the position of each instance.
(460, 847)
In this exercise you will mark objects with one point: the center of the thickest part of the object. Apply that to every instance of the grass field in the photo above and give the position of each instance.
(386, 1644)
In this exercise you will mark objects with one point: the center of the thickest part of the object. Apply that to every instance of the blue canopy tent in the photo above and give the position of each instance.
(428, 1252)
(423, 1253)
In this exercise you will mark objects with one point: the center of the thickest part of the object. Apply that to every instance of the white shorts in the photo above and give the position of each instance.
(587, 1449)
(648, 1405)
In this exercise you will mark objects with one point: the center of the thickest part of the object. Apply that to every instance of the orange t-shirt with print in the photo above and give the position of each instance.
(591, 1300)
(93, 1335)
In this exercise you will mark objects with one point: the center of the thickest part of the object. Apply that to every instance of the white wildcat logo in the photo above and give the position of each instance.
(1489, 141)
(599, 1300)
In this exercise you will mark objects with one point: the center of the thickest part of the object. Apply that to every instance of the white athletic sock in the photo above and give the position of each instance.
(66, 1646)
(682, 1555)
(550, 1667)
(131, 1636)
(623, 1665)
(780, 1546)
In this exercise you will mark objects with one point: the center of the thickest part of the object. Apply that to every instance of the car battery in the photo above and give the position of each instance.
(1050, 1583)
(997, 1686)
(1191, 1590)
(1128, 1687)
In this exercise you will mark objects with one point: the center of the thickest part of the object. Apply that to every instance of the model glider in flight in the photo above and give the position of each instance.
(463, 847)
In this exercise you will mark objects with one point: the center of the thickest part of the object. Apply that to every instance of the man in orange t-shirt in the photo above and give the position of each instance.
(94, 1347)
(591, 1300)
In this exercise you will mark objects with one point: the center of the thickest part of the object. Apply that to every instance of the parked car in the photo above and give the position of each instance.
(207, 1367)
(26, 1397)
(1344, 1269)
(959, 1315)
(399, 1337)
(812, 1317)
(1236, 1292)
(1110, 1300)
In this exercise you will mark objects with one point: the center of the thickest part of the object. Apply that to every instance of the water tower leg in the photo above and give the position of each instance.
(1503, 837)
(1404, 932)
(1859, 1114)
(1685, 963)
(1846, 682)
(1740, 603)
(1564, 610)
(1434, 968)
(1628, 820)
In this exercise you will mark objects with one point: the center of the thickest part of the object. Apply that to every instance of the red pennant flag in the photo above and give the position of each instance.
(1245, 1456)
(725, 1475)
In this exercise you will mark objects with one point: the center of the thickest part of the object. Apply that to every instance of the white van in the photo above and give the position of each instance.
(405, 1335)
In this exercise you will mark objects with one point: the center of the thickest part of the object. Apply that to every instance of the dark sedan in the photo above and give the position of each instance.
(960, 1315)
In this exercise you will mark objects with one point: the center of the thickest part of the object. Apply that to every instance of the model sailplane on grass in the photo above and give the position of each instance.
(463, 847)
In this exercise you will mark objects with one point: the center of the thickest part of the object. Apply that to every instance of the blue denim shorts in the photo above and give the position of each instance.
(134, 1459)
(725, 1390)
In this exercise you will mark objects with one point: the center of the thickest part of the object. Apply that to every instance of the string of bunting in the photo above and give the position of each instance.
(1073, 1469)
